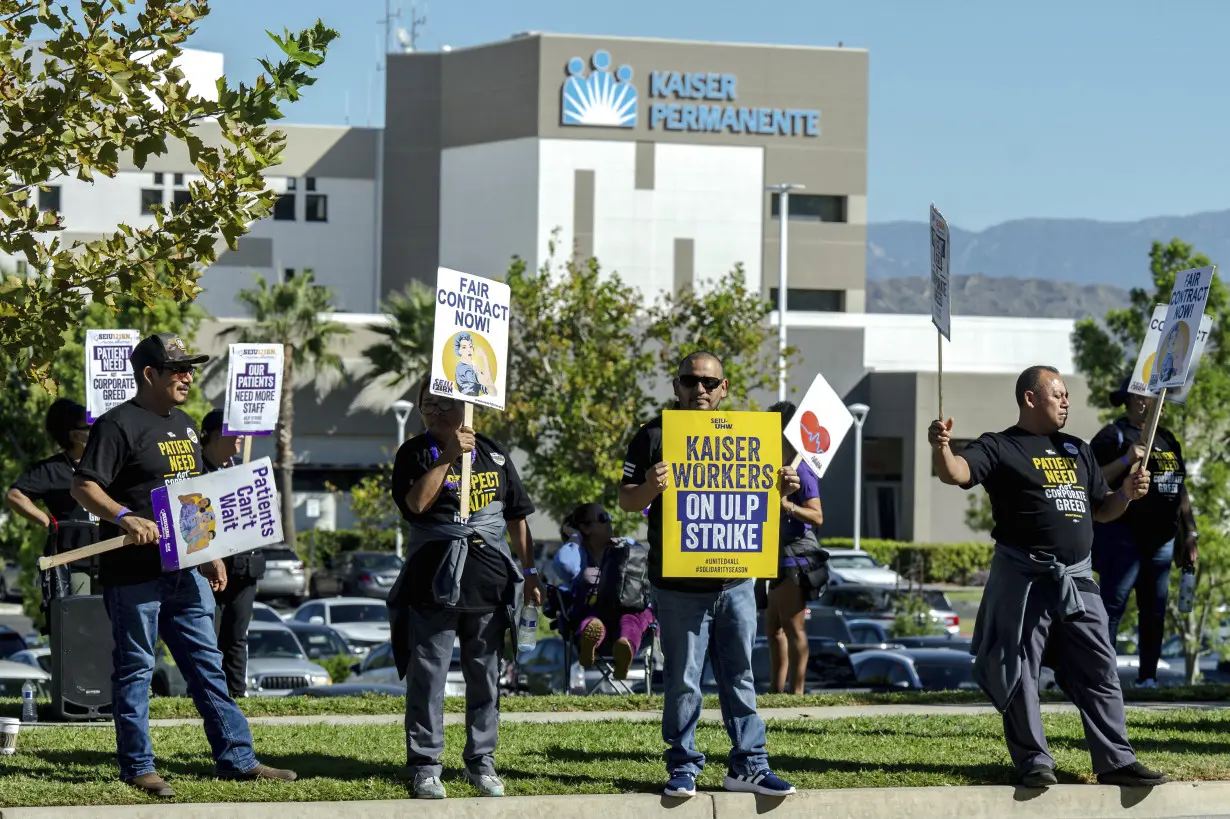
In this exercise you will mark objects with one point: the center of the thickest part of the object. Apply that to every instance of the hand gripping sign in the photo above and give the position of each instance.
(108, 375)
(469, 359)
(819, 426)
(722, 508)
(205, 518)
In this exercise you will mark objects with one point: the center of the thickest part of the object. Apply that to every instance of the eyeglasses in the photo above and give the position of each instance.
(692, 381)
(602, 518)
(437, 405)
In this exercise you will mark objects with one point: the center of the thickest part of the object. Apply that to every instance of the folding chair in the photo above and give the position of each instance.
(558, 606)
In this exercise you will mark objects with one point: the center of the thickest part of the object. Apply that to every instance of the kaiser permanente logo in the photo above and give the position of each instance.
(693, 101)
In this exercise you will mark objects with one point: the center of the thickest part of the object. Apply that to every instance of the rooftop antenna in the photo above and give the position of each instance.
(409, 40)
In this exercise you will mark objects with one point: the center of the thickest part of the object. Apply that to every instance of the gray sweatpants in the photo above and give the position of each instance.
(432, 633)
(1084, 665)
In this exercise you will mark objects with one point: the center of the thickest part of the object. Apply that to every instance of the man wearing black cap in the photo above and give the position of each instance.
(135, 448)
(233, 613)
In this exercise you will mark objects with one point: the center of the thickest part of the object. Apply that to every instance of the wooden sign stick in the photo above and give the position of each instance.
(465, 467)
(939, 343)
(798, 459)
(1153, 421)
(45, 563)
(247, 448)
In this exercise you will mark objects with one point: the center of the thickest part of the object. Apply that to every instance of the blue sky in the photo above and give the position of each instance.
(1089, 108)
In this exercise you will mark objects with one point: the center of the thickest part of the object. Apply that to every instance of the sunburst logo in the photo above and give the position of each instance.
(602, 98)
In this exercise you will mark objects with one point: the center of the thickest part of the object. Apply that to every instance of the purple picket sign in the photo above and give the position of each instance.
(227, 431)
(165, 518)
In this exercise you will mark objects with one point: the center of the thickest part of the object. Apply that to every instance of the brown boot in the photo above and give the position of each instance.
(263, 772)
(623, 658)
(152, 784)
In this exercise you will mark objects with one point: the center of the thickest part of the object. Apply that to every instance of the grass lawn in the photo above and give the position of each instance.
(66, 766)
(964, 595)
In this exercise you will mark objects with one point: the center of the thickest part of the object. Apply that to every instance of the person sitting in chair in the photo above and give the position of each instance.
(601, 614)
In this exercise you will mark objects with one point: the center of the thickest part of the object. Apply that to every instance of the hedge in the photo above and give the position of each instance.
(955, 563)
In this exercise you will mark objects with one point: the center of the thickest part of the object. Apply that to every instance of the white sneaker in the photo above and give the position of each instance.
(1145, 684)
(487, 784)
(428, 787)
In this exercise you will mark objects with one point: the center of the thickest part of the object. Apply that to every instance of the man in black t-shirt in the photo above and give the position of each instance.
(50, 482)
(701, 617)
(1046, 491)
(141, 445)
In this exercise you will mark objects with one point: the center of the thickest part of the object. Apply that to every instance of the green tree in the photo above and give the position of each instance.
(1106, 351)
(574, 388)
(403, 356)
(727, 319)
(290, 313)
(371, 503)
(97, 89)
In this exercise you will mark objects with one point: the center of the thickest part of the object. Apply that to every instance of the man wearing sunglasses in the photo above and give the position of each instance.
(141, 445)
(701, 617)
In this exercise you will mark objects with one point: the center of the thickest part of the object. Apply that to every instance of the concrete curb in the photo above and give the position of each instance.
(1189, 799)
(815, 712)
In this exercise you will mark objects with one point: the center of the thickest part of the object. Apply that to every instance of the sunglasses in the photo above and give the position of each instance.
(693, 381)
(437, 405)
(602, 518)
(177, 369)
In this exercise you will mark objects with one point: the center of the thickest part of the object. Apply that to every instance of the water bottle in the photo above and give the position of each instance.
(29, 707)
(1187, 590)
(527, 629)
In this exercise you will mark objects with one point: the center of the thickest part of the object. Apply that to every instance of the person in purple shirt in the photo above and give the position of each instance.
(802, 573)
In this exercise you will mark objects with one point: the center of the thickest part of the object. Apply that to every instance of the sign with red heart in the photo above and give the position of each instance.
(819, 426)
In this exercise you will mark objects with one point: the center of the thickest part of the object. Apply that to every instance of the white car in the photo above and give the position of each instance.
(379, 667)
(34, 657)
(364, 622)
(277, 663)
(262, 613)
(14, 675)
(856, 566)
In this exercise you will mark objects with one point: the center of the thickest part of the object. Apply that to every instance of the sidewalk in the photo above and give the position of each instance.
(824, 712)
(1083, 801)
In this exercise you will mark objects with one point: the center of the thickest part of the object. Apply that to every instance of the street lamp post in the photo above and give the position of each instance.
(859, 411)
(783, 216)
(401, 411)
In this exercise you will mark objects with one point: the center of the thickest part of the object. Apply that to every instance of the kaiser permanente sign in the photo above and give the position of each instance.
(711, 114)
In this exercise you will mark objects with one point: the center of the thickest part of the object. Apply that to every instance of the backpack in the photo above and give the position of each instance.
(623, 583)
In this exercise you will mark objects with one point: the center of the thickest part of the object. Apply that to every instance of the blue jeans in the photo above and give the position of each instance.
(1122, 565)
(723, 624)
(180, 607)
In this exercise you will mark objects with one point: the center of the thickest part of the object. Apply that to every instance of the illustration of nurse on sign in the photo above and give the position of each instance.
(1176, 349)
(473, 374)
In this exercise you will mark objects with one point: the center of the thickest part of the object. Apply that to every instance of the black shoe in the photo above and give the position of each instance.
(1038, 776)
(1133, 776)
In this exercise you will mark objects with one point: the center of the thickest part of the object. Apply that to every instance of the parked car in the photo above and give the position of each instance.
(277, 663)
(357, 574)
(879, 603)
(857, 566)
(916, 669)
(542, 670)
(320, 642)
(362, 621)
(10, 581)
(951, 642)
(264, 614)
(34, 657)
(854, 635)
(379, 668)
(14, 675)
(284, 577)
(828, 666)
(11, 642)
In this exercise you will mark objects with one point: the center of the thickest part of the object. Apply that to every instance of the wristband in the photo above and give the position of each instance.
(1126, 462)
(530, 572)
(1125, 498)
(120, 514)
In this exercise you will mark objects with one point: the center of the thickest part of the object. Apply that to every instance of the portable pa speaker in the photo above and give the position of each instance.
(81, 645)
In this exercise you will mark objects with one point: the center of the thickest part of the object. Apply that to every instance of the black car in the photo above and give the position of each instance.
(11, 642)
(357, 574)
(828, 667)
(916, 669)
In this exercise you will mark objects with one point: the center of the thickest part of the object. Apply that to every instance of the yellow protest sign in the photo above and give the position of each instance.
(721, 512)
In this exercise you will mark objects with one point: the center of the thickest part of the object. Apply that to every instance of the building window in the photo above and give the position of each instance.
(284, 208)
(292, 183)
(149, 198)
(812, 207)
(288, 274)
(317, 208)
(49, 199)
(158, 179)
(179, 180)
(811, 301)
(23, 268)
(311, 183)
(182, 198)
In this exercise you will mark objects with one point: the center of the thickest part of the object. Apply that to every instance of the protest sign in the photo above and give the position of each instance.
(819, 426)
(217, 515)
(253, 389)
(1177, 343)
(470, 352)
(1146, 361)
(941, 308)
(722, 508)
(108, 375)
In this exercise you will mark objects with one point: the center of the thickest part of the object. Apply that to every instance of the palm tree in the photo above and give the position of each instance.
(288, 313)
(404, 354)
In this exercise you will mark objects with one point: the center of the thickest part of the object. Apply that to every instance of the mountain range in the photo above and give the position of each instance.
(997, 296)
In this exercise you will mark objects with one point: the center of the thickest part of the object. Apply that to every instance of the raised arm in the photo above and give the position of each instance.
(951, 469)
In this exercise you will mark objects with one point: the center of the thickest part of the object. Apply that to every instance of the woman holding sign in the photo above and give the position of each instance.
(802, 574)
(1137, 549)
(459, 584)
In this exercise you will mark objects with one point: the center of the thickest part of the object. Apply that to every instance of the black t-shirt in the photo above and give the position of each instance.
(644, 452)
(1044, 490)
(1154, 519)
(485, 578)
(133, 451)
(51, 481)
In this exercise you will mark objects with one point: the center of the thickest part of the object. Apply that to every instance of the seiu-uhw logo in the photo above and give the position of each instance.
(600, 98)
(719, 423)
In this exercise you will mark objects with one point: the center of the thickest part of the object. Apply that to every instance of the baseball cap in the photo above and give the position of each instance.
(1119, 397)
(212, 422)
(161, 349)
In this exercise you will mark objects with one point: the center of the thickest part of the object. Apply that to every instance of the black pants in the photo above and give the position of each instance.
(232, 616)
